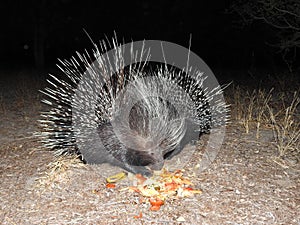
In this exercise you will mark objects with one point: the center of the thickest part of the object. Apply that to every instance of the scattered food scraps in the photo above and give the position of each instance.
(162, 186)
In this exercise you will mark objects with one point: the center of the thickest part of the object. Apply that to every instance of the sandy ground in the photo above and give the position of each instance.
(246, 184)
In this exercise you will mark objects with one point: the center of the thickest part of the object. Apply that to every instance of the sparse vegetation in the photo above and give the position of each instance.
(250, 108)
(58, 169)
(286, 128)
(276, 108)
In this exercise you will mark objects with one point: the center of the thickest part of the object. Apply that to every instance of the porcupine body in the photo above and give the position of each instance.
(132, 115)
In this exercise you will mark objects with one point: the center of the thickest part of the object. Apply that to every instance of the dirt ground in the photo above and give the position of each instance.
(246, 184)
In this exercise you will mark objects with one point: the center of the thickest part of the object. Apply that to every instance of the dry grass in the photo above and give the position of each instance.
(250, 108)
(286, 127)
(275, 108)
(58, 170)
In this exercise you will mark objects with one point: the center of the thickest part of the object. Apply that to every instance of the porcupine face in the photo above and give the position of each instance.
(153, 133)
(154, 121)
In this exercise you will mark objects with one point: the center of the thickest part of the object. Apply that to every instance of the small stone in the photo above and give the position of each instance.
(180, 219)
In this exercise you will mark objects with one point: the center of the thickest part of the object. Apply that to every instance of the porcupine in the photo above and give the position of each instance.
(132, 115)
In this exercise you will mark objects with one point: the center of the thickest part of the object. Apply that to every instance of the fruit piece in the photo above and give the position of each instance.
(110, 185)
(155, 204)
(116, 177)
(138, 216)
(171, 186)
(141, 178)
(154, 208)
(148, 192)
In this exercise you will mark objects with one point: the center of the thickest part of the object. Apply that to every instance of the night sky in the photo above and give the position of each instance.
(56, 29)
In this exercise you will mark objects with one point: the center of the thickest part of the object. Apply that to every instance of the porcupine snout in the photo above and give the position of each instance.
(155, 153)
(156, 161)
(158, 130)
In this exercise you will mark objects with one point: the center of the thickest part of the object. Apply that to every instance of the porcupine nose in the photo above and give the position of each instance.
(158, 161)
(157, 166)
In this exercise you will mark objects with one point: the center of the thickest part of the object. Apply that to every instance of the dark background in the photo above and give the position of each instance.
(35, 33)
